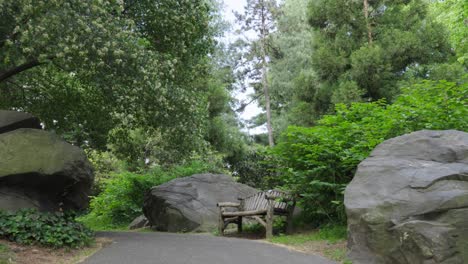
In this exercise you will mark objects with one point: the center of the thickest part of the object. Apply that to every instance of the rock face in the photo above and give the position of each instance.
(40, 170)
(139, 222)
(408, 202)
(12, 120)
(189, 204)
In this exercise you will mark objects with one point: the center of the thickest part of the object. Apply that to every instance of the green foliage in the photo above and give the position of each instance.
(104, 164)
(92, 69)
(296, 99)
(223, 133)
(258, 18)
(254, 168)
(47, 229)
(121, 199)
(453, 14)
(402, 36)
(318, 162)
(254, 228)
(279, 227)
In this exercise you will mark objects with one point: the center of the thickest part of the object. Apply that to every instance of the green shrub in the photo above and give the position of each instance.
(104, 164)
(47, 229)
(318, 162)
(254, 168)
(123, 194)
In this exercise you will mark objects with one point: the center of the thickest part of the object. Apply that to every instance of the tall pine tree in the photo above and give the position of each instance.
(363, 48)
(259, 17)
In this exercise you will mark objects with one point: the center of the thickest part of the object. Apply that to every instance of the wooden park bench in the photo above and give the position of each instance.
(260, 207)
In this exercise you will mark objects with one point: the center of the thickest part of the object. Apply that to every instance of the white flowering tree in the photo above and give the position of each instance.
(89, 67)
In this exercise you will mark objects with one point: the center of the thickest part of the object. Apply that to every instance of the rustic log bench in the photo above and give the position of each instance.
(260, 207)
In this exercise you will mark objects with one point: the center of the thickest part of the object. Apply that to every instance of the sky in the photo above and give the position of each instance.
(233, 5)
(251, 110)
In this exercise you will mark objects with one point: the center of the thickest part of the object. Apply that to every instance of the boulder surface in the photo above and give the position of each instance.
(12, 120)
(139, 222)
(189, 204)
(40, 170)
(408, 202)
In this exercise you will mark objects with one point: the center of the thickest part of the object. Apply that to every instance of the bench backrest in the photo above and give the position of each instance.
(259, 202)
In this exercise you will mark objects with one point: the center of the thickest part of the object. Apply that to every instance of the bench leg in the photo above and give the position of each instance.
(289, 225)
(289, 219)
(239, 225)
(269, 220)
(220, 223)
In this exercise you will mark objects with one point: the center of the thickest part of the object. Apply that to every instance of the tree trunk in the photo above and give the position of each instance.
(369, 28)
(265, 79)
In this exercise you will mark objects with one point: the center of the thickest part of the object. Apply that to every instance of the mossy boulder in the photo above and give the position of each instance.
(408, 202)
(12, 120)
(40, 170)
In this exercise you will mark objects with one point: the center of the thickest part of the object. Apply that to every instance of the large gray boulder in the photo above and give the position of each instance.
(408, 202)
(189, 204)
(40, 170)
(12, 120)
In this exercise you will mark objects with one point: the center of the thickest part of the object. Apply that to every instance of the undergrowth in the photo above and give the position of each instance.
(47, 229)
(122, 196)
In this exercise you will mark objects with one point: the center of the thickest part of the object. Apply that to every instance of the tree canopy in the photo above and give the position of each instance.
(147, 87)
(358, 57)
(94, 71)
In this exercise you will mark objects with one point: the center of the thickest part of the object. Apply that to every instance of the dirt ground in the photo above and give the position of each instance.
(22, 254)
(333, 251)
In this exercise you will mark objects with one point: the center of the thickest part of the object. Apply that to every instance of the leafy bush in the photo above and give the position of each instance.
(254, 168)
(104, 164)
(318, 162)
(123, 193)
(48, 229)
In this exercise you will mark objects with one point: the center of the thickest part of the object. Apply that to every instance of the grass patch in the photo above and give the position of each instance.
(5, 254)
(330, 234)
(328, 242)
(3, 249)
(100, 224)
(336, 254)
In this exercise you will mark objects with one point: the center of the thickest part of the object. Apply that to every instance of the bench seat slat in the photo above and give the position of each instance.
(245, 213)
(253, 203)
(259, 202)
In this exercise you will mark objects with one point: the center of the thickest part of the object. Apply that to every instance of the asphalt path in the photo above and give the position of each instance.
(167, 248)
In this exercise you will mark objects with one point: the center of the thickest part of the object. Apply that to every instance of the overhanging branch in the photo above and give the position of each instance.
(18, 69)
(244, 105)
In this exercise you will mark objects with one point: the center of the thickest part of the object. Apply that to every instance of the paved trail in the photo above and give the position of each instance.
(164, 248)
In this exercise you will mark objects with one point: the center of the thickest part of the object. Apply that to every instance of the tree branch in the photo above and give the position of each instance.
(18, 69)
(244, 105)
